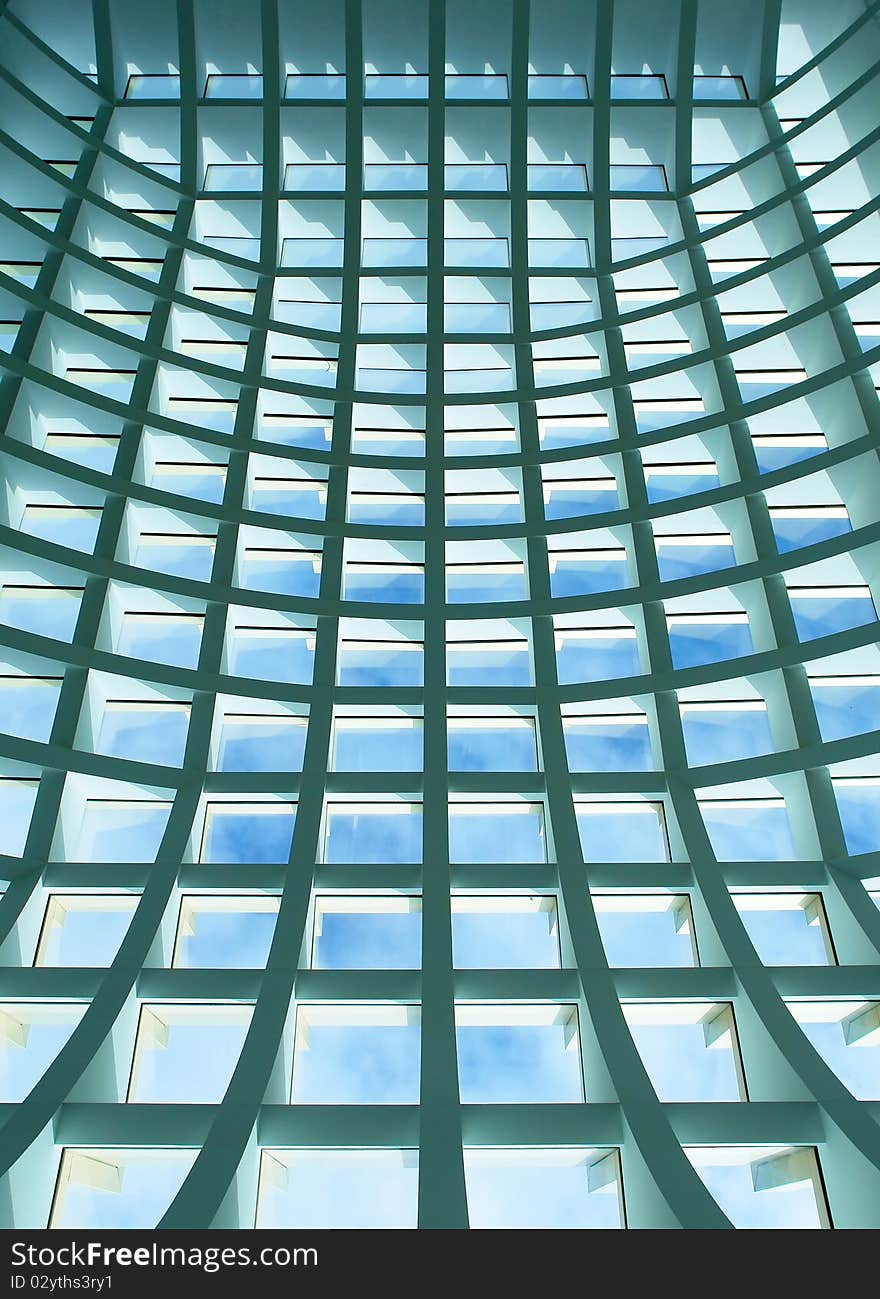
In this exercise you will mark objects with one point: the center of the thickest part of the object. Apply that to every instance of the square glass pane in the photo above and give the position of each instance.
(117, 1189)
(463, 176)
(31, 1035)
(384, 584)
(374, 833)
(387, 510)
(572, 575)
(313, 315)
(859, 807)
(512, 933)
(485, 507)
(596, 656)
(376, 663)
(250, 833)
(518, 1054)
(639, 86)
(234, 86)
(719, 87)
(261, 742)
(17, 799)
(470, 85)
(395, 252)
(762, 1186)
(568, 500)
(469, 583)
(847, 1037)
(311, 253)
(374, 1189)
(367, 933)
(568, 253)
(640, 932)
(696, 643)
(512, 832)
(394, 317)
(676, 562)
(201, 482)
(622, 832)
(718, 734)
(395, 86)
(83, 449)
(690, 1051)
(491, 744)
(314, 85)
(476, 317)
(748, 830)
(534, 1188)
(377, 744)
(272, 653)
(225, 933)
(604, 743)
(357, 1055)
(153, 86)
(282, 572)
(71, 526)
(163, 638)
(185, 1054)
(646, 176)
(315, 177)
(667, 486)
(44, 610)
(786, 928)
(822, 615)
(233, 176)
(143, 731)
(476, 252)
(846, 706)
(794, 528)
(395, 175)
(118, 831)
(293, 499)
(84, 930)
(499, 663)
(542, 86)
(557, 176)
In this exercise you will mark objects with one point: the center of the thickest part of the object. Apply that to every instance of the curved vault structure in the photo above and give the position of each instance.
(440, 683)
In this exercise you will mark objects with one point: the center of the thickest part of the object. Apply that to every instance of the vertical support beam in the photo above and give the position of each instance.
(442, 1200)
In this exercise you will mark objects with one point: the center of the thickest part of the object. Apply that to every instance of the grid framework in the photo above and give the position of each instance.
(439, 650)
